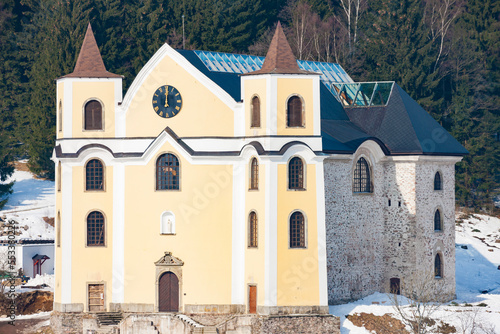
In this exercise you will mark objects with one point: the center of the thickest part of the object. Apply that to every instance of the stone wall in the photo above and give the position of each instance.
(354, 226)
(68, 323)
(389, 233)
(431, 242)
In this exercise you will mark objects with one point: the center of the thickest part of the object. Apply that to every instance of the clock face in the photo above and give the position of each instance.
(167, 101)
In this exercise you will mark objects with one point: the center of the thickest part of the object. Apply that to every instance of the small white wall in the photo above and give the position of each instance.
(27, 253)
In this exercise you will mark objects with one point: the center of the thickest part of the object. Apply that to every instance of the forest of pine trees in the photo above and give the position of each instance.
(444, 53)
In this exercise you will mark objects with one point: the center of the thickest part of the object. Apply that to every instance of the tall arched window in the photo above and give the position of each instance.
(93, 115)
(95, 229)
(252, 230)
(438, 185)
(59, 171)
(294, 112)
(362, 179)
(255, 121)
(438, 266)
(296, 173)
(167, 172)
(297, 230)
(94, 175)
(438, 224)
(254, 174)
(58, 228)
(60, 116)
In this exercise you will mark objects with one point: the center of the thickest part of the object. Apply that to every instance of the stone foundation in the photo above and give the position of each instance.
(215, 308)
(163, 323)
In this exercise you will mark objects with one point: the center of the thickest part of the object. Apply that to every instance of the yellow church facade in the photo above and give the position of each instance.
(177, 197)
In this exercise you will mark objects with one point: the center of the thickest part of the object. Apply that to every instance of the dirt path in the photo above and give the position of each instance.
(24, 326)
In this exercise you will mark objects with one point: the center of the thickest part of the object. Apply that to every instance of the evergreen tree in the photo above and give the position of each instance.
(7, 21)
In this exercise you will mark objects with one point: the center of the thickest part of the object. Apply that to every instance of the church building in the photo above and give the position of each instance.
(234, 184)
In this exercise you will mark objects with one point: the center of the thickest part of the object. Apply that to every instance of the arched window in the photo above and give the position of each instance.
(438, 266)
(362, 181)
(294, 112)
(438, 225)
(297, 230)
(95, 229)
(438, 185)
(94, 175)
(254, 174)
(60, 116)
(167, 172)
(93, 115)
(252, 229)
(58, 228)
(59, 176)
(255, 121)
(296, 173)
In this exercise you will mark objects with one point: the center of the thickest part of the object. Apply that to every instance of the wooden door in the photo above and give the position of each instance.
(395, 286)
(252, 299)
(96, 298)
(168, 293)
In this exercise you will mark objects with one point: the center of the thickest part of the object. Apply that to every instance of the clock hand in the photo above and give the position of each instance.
(166, 99)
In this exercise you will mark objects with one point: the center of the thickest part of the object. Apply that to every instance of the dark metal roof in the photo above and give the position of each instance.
(405, 127)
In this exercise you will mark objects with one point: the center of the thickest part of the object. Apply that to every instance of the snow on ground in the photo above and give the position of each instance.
(31, 200)
(477, 280)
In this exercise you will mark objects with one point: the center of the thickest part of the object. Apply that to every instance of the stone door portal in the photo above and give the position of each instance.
(168, 293)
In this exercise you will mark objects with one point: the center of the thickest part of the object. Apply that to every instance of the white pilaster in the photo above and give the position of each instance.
(119, 283)
(271, 235)
(238, 235)
(66, 232)
(321, 226)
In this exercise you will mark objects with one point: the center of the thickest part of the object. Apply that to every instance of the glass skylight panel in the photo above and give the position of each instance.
(333, 76)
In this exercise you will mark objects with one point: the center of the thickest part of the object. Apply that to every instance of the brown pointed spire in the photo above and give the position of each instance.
(89, 63)
(280, 58)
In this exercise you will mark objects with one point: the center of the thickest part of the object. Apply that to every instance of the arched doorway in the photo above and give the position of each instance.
(168, 293)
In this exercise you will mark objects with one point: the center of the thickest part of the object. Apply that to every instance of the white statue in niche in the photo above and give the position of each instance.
(167, 223)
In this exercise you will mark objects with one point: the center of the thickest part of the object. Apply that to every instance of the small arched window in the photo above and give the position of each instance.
(297, 230)
(362, 179)
(438, 224)
(93, 115)
(95, 229)
(254, 174)
(252, 230)
(294, 112)
(438, 266)
(296, 173)
(255, 121)
(94, 175)
(167, 172)
(60, 116)
(438, 184)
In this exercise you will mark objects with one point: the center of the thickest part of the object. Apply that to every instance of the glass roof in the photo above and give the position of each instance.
(333, 76)
(236, 63)
(363, 93)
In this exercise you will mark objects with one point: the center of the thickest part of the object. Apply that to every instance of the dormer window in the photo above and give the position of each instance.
(255, 112)
(294, 112)
(93, 115)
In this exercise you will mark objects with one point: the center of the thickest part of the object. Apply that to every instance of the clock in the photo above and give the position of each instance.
(167, 101)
